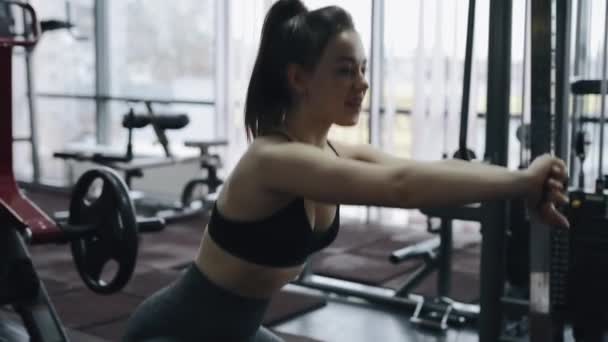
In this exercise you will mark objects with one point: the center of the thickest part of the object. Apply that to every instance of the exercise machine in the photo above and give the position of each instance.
(195, 197)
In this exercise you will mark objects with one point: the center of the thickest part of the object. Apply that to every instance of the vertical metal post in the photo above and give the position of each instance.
(444, 273)
(102, 70)
(581, 37)
(603, 90)
(466, 81)
(31, 102)
(223, 58)
(542, 325)
(496, 218)
(562, 78)
(376, 77)
(6, 110)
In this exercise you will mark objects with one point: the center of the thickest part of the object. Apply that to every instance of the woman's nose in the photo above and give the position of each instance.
(362, 83)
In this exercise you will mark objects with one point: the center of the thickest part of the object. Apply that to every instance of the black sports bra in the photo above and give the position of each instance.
(283, 239)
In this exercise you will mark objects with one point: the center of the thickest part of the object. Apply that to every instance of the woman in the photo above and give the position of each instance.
(281, 201)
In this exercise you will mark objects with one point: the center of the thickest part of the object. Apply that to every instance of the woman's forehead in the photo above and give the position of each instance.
(346, 46)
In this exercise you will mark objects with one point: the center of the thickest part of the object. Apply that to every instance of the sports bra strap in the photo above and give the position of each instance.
(332, 147)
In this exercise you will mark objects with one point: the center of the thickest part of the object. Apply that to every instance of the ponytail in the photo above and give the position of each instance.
(268, 94)
(291, 34)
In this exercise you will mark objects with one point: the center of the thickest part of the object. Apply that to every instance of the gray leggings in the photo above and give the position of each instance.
(194, 309)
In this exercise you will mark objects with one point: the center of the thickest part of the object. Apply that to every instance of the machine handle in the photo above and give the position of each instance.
(34, 34)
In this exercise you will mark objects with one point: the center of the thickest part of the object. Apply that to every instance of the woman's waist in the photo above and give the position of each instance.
(240, 276)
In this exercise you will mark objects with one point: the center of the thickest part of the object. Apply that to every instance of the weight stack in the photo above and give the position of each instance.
(587, 288)
(560, 255)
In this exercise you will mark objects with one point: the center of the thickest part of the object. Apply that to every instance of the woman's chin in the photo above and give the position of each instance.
(348, 123)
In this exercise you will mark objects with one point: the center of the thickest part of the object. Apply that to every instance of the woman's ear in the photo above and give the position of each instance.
(297, 78)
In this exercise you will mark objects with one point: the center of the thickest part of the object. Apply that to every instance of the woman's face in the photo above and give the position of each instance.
(338, 84)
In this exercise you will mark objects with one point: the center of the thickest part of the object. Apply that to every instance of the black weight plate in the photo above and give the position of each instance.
(114, 236)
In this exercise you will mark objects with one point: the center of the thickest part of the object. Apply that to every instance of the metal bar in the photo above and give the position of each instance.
(102, 71)
(403, 111)
(562, 78)
(541, 77)
(581, 37)
(496, 218)
(469, 311)
(31, 34)
(416, 277)
(6, 112)
(124, 99)
(376, 81)
(29, 75)
(444, 263)
(523, 84)
(376, 56)
(22, 139)
(604, 85)
(466, 80)
(542, 326)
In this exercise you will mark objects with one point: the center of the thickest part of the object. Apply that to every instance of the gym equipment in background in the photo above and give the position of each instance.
(568, 282)
(582, 295)
(436, 253)
(101, 226)
(196, 194)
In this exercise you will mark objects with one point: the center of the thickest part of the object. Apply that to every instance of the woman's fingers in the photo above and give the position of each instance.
(555, 185)
(557, 197)
(558, 172)
(552, 216)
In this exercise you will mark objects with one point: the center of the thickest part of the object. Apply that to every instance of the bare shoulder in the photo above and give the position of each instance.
(345, 150)
(243, 195)
(297, 169)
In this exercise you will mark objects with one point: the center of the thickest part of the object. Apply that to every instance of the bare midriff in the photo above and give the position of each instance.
(239, 276)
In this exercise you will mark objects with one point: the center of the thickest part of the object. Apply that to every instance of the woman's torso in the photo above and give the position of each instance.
(242, 199)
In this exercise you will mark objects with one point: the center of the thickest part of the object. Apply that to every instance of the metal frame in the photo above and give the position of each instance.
(33, 137)
(106, 98)
(102, 71)
(562, 78)
(496, 218)
(580, 63)
(32, 304)
(543, 327)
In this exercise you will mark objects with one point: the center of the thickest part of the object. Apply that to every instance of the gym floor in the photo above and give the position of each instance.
(346, 320)
(319, 318)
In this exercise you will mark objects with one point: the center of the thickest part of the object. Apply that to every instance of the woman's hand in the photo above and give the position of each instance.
(546, 176)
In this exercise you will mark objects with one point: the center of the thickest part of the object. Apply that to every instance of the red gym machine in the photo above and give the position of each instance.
(101, 227)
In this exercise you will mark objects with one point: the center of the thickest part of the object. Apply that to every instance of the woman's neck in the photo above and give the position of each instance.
(301, 128)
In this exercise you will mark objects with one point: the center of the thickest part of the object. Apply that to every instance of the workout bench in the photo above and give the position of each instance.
(192, 201)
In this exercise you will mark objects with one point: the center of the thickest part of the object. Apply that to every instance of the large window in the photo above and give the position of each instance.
(424, 46)
(62, 62)
(164, 50)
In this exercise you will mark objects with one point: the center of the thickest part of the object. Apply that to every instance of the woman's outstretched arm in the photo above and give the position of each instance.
(307, 171)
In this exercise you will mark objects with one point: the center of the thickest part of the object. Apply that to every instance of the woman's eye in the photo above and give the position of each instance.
(345, 71)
